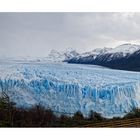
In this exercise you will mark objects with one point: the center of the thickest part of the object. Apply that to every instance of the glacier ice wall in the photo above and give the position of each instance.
(68, 88)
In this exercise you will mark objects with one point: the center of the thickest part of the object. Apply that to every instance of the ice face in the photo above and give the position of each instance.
(68, 88)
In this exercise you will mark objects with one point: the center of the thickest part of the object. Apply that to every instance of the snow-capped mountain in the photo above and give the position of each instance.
(125, 57)
(118, 58)
(53, 56)
(125, 49)
(70, 53)
(94, 52)
(56, 56)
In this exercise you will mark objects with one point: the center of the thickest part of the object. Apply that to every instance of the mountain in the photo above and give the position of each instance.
(94, 53)
(53, 56)
(56, 56)
(125, 57)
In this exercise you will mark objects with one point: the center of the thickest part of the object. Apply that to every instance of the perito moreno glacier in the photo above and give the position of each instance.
(68, 88)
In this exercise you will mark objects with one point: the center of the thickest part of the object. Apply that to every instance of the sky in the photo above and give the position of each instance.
(35, 34)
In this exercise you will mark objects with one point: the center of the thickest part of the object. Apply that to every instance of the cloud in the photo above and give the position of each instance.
(35, 34)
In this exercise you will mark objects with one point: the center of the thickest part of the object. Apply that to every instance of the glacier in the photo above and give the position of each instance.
(68, 88)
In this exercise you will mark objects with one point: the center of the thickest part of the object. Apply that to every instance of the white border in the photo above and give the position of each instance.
(69, 5)
(69, 134)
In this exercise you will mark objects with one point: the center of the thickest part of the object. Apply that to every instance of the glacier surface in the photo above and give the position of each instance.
(68, 88)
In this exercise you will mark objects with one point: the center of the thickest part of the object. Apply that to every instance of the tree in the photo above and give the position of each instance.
(78, 116)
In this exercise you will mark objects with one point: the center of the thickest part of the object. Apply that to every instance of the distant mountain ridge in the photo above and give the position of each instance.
(53, 56)
(66, 55)
(125, 57)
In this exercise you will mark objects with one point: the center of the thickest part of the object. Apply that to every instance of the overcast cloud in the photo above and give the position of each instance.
(35, 34)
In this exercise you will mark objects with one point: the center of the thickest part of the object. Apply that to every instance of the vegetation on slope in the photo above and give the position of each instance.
(38, 116)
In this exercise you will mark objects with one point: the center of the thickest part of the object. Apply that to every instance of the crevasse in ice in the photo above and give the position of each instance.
(68, 88)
